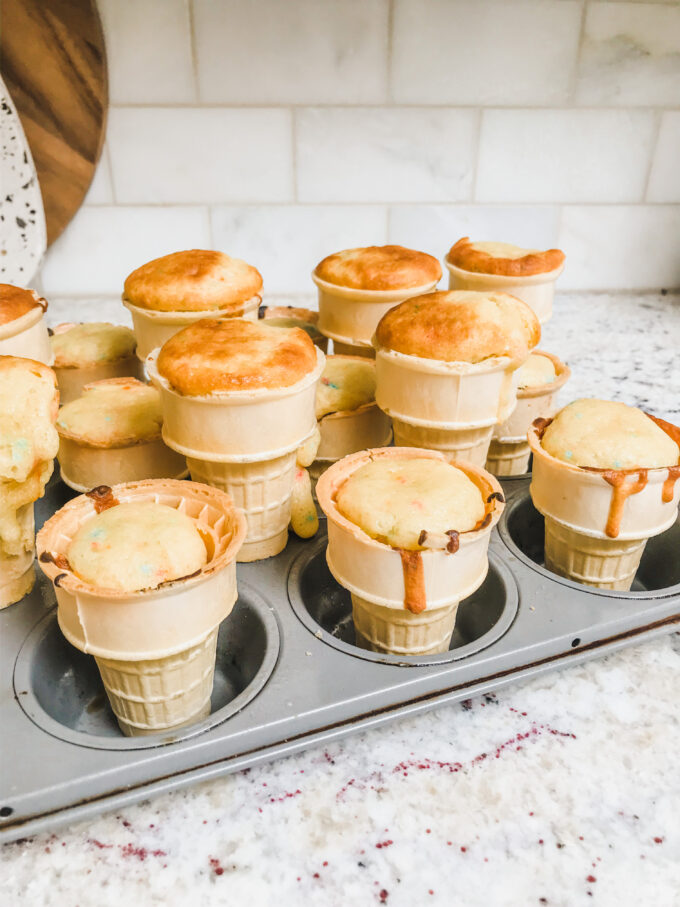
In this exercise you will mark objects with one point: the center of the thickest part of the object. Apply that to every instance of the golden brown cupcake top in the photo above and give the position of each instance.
(93, 343)
(460, 326)
(15, 302)
(214, 355)
(197, 280)
(503, 258)
(379, 268)
(115, 412)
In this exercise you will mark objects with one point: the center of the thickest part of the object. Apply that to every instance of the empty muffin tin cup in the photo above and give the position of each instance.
(72, 380)
(152, 328)
(597, 521)
(17, 574)
(155, 648)
(262, 489)
(351, 316)
(238, 426)
(509, 451)
(379, 577)
(537, 290)
(26, 336)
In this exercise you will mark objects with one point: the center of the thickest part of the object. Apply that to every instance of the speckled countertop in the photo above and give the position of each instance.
(561, 791)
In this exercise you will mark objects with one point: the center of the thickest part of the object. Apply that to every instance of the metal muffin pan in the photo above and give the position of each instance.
(288, 674)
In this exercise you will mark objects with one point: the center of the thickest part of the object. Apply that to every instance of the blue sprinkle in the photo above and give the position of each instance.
(334, 386)
(568, 454)
(617, 464)
(19, 449)
(146, 569)
(578, 415)
(107, 418)
(97, 533)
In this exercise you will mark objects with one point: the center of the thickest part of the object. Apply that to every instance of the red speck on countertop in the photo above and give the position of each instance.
(383, 894)
(591, 879)
(129, 850)
(99, 844)
(658, 840)
(215, 866)
(464, 849)
(382, 844)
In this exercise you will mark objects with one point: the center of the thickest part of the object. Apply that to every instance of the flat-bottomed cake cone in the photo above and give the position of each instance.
(508, 458)
(262, 490)
(604, 563)
(378, 629)
(161, 694)
(17, 574)
(155, 647)
(469, 445)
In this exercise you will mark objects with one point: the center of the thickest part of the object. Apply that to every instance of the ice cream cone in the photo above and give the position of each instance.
(374, 572)
(537, 290)
(26, 336)
(379, 629)
(155, 647)
(597, 521)
(153, 327)
(17, 574)
(83, 467)
(262, 489)
(508, 458)
(601, 562)
(365, 350)
(469, 445)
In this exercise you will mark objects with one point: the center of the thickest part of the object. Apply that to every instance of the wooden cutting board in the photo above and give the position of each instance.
(53, 61)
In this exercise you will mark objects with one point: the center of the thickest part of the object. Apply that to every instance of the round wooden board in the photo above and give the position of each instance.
(53, 61)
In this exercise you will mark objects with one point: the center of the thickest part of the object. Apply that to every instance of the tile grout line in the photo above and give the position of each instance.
(425, 203)
(423, 105)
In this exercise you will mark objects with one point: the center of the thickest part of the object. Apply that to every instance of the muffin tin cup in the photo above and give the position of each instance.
(373, 571)
(434, 393)
(71, 381)
(533, 403)
(27, 337)
(351, 316)
(154, 625)
(583, 500)
(470, 445)
(378, 629)
(238, 426)
(262, 489)
(508, 458)
(152, 328)
(17, 574)
(83, 467)
(537, 290)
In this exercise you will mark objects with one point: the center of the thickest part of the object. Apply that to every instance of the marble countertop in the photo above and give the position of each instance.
(560, 791)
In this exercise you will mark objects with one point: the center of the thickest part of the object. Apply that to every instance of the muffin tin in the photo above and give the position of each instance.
(288, 673)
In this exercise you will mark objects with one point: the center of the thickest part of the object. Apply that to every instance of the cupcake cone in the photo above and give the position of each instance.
(17, 574)
(469, 445)
(161, 693)
(379, 629)
(601, 562)
(508, 458)
(155, 648)
(262, 490)
(353, 349)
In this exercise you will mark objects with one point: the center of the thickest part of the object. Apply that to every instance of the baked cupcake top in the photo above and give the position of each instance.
(536, 371)
(503, 258)
(197, 280)
(116, 412)
(28, 409)
(607, 435)
(85, 345)
(15, 302)
(394, 500)
(460, 326)
(347, 383)
(134, 546)
(379, 268)
(233, 354)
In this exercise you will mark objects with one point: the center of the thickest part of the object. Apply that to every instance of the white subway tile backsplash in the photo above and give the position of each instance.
(385, 154)
(484, 51)
(101, 188)
(194, 155)
(630, 55)
(286, 242)
(564, 155)
(664, 179)
(302, 52)
(435, 228)
(103, 244)
(620, 247)
(148, 49)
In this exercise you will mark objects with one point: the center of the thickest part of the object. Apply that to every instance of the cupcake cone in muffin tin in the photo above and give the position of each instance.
(17, 575)
(155, 646)
(26, 336)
